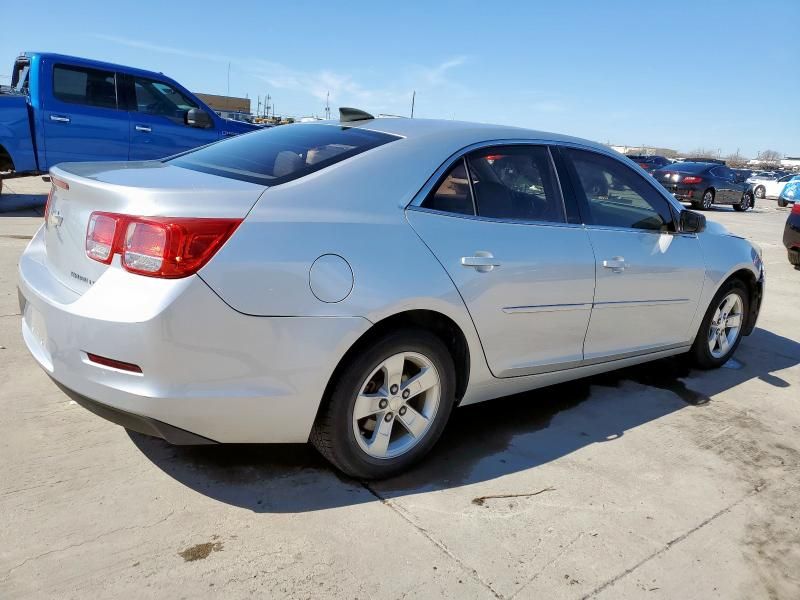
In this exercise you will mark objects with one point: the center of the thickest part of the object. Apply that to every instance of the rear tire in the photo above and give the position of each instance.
(745, 204)
(729, 307)
(760, 191)
(782, 203)
(365, 425)
(708, 200)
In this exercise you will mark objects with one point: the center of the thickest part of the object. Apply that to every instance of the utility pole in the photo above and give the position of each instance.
(328, 105)
(413, 99)
(266, 106)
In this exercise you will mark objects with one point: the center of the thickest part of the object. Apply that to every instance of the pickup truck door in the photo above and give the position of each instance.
(82, 118)
(158, 120)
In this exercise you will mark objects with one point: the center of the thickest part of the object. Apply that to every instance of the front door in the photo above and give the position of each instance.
(496, 222)
(158, 121)
(82, 121)
(649, 276)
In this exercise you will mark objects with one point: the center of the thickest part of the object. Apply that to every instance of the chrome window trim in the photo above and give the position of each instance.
(419, 197)
(444, 213)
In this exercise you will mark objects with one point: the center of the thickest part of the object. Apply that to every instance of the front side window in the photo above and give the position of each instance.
(515, 183)
(280, 154)
(617, 196)
(159, 98)
(79, 85)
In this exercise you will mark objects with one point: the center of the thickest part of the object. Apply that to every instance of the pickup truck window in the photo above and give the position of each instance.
(159, 98)
(79, 85)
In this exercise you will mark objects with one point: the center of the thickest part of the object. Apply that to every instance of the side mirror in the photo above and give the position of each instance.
(197, 117)
(692, 222)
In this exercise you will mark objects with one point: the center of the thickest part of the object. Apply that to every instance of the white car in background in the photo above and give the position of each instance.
(770, 188)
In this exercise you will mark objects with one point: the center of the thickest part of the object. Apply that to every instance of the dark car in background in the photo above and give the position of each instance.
(791, 235)
(705, 184)
(650, 163)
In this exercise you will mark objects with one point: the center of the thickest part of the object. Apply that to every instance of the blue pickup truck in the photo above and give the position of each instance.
(62, 108)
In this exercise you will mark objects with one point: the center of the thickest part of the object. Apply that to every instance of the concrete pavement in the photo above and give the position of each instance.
(655, 481)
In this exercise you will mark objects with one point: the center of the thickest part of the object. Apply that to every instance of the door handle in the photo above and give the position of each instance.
(59, 118)
(616, 264)
(482, 261)
(143, 128)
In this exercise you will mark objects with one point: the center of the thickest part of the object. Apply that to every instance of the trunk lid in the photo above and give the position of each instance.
(131, 188)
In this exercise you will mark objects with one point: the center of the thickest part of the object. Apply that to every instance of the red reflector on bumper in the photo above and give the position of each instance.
(115, 364)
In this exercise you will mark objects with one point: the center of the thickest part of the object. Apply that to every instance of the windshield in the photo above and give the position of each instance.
(280, 154)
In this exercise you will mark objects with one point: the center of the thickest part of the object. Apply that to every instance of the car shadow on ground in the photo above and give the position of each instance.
(482, 442)
(22, 205)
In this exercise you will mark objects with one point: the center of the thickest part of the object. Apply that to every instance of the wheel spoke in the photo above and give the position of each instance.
(394, 370)
(414, 422)
(723, 341)
(421, 382)
(734, 321)
(727, 307)
(367, 405)
(379, 444)
(712, 341)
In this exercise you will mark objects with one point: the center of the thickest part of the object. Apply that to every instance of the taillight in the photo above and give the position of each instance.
(645, 166)
(796, 208)
(167, 247)
(100, 236)
(692, 179)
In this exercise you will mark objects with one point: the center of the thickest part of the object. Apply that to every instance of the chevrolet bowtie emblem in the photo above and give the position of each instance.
(55, 220)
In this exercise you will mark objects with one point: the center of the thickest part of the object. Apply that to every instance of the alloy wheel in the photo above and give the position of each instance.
(725, 325)
(708, 199)
(396, 405)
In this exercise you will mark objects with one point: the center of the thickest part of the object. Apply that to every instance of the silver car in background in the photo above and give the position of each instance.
(350, 282)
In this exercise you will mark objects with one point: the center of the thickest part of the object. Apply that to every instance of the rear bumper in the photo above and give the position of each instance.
(206, 369)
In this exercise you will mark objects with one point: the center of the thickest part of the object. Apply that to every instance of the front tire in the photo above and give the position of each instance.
(760, 192)
(782, 203)
(745, 204)
(388, 406)
(721, 329)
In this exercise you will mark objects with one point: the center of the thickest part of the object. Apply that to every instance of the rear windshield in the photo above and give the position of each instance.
(688, 167)
(280, 154)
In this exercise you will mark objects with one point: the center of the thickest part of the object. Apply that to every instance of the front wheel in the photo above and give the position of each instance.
(782, 203)
(721, 329)
(388, 406)
(760, 192)
(745, 204)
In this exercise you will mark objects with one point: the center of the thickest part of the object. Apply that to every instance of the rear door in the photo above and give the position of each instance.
(158, 120)
(649, 276)
(83, 120)
(496, 222)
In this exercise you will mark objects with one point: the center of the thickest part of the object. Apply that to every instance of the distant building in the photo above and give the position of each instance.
(791, 162)
(226, 103)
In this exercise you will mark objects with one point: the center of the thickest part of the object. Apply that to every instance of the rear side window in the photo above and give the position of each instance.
(516, 183)
(453, 194)
(280, 154)
(78, 85)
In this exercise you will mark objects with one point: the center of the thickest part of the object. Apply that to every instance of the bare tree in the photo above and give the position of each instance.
(668, 152)
(703, 153)
(736, 160)
(771, 157)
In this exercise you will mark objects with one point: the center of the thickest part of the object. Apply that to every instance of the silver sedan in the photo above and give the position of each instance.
(351, 282)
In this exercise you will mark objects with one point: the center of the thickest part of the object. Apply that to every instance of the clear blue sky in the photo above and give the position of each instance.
(674, 73)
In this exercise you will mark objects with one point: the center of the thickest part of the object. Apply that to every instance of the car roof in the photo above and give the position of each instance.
(466, 132)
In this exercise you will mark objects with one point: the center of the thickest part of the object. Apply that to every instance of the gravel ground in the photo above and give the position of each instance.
(655, 481)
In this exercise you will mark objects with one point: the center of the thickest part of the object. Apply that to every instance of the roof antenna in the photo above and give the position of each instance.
(347, 115)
